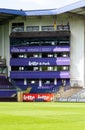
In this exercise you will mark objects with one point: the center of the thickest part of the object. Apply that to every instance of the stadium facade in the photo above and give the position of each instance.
(42, 50)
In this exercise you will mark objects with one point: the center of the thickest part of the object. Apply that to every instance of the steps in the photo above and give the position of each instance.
(63, 95)
(78, 97)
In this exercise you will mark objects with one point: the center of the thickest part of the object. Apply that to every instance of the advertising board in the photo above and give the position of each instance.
(38, 97)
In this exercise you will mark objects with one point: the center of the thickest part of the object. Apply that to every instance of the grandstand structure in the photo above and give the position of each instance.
(42, 50)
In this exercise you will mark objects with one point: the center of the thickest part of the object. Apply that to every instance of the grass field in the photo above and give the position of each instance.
(42, 116)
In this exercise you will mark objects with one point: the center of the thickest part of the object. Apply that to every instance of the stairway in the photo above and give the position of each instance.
(63, 95)
(78, 97)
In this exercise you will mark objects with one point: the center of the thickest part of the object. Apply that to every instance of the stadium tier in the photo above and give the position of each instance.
(40, 60)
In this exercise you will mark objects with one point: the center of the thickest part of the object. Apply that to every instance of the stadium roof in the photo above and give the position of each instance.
(7, 14)
(78, 6)
(41, 12)
(75, 8)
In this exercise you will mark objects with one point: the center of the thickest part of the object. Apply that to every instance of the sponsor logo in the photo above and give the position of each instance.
(34, 63)
(28, 98)
(32, 97)
(17, 50)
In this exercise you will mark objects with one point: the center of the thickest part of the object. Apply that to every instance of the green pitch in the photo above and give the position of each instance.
(42, 116)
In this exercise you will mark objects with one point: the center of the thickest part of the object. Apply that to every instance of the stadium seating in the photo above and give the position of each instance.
(7, 90)
(5, 84)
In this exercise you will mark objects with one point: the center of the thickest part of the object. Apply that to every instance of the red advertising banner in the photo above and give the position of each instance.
(37, 97)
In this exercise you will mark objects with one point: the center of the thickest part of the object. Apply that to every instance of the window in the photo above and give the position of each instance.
(63, 27)
(32, 28)
(66, 27)
(47, 28)
(17, 27)
(60, 27)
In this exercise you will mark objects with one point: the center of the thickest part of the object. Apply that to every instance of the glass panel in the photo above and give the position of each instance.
(47, 28)
(32, 28)
(17, 27)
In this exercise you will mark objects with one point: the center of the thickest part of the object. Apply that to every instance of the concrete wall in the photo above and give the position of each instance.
(4, 43)
(84, 53)
(7, 46)
(0, 40)
(77, 51)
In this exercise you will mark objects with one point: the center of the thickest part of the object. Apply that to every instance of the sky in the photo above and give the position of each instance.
(34, 4)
